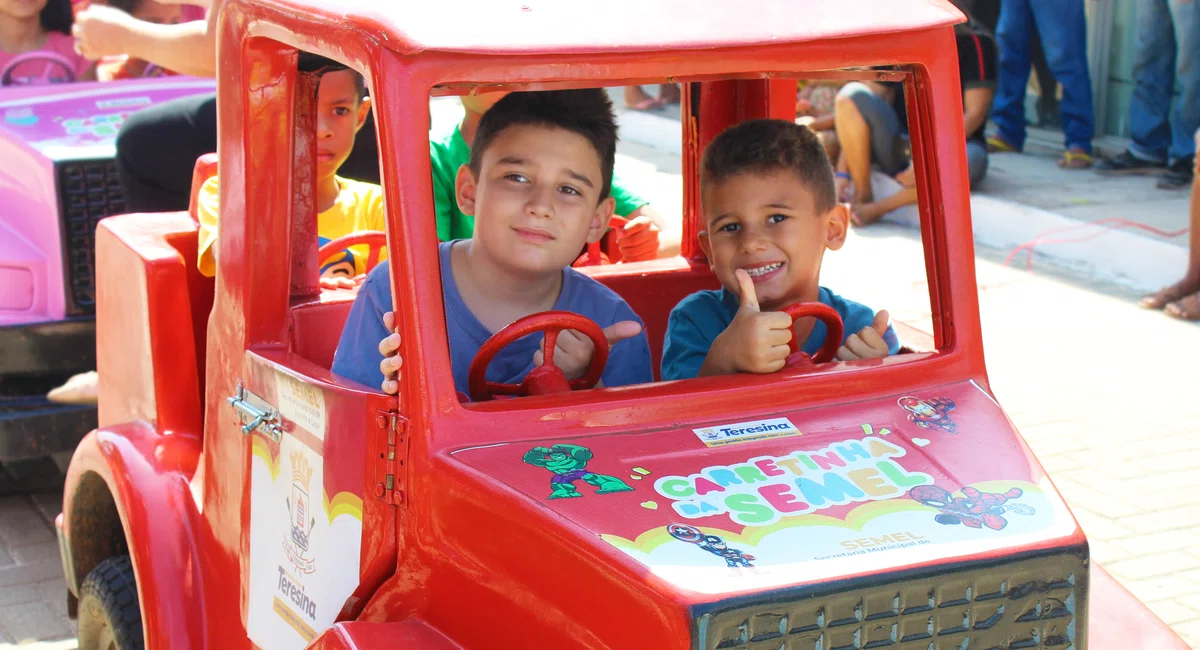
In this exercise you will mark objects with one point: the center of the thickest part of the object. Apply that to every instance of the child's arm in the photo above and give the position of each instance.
(756, 341)
(188, 48)
(870, 342)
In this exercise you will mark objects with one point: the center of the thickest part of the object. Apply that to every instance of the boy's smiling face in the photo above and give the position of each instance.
(340, 114)
(536, 200)
(769, 225)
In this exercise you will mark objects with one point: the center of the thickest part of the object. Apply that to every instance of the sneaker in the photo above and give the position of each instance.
(1126, 164)
(1178, 175)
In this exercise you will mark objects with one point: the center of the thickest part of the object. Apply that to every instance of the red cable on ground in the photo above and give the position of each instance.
(1115, 224)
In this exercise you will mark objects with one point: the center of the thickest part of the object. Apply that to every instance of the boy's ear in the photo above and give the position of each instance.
(364, 110)
(600, 218)
(837, 223)
(464, 190)
(705, 245)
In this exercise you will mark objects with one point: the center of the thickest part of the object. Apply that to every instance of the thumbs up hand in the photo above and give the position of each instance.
(868, 342)
(756, 341)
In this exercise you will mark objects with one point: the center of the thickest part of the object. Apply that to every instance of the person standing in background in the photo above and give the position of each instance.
(1062, 27)
(1167, 51)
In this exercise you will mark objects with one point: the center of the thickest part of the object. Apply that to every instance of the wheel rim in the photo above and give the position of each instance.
(105, 639)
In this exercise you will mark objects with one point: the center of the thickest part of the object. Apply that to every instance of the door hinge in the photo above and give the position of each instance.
(389, 469)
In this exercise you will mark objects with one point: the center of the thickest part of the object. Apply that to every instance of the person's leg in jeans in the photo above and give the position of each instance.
(1063, 27)
(157, 150)
(1185, 116)
(977, 162)
(1153, 81)
(1013, 41)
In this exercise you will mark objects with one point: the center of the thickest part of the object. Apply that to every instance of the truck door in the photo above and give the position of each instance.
(311, 490)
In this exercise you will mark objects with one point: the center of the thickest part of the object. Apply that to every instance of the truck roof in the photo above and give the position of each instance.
(554, 26)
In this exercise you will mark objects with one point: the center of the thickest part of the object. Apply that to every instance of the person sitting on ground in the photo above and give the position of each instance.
(537, 183)
(122, 66)
(872, 129)
(1182, 299)
(40, 26)
(344, 206)
(645, 236)
(637, 99)
(815, 109)
(767, 194)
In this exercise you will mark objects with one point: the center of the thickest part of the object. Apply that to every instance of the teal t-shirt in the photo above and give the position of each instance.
(447, 153)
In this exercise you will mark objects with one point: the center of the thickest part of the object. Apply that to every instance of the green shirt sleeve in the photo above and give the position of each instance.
(446, 155)
(627, 201)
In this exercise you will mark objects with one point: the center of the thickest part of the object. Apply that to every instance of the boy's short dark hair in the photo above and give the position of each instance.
(587, 112)
(758, 146)
(316, 64)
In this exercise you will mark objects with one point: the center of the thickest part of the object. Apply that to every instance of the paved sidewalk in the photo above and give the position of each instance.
(33, 596)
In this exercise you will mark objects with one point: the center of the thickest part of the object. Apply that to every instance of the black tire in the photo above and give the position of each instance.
(109, 615)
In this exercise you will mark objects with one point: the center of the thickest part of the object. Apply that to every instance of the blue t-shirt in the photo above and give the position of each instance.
(358, 356)
(698, 319)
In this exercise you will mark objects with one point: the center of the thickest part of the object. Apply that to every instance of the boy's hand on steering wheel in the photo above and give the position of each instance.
(388, 347)
(868, 342)
(341, 281)
(101, 31)
(638, 240)
(573, 351)
(756, 341)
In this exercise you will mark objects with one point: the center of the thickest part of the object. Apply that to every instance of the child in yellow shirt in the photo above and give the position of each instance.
(344, 206)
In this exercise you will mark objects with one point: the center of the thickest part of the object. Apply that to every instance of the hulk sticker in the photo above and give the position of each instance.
(568, 463)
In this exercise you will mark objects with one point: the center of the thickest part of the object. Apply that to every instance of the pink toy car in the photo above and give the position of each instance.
(57, 180)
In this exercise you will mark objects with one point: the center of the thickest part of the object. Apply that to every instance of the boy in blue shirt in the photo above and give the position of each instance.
(537, 182)
(767, 192)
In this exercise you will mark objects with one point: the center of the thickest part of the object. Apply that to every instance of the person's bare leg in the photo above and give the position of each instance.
(668, 93)
(854, 136)
(864, 214)
(635, 96)
(1188, 289)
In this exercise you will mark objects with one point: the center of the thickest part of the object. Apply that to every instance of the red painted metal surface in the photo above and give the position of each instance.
(431, 525)
(833, 333)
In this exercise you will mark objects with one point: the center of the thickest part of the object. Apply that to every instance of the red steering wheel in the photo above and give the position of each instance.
(547, 378)
(833, 333)
(50, 60)
(374, 240)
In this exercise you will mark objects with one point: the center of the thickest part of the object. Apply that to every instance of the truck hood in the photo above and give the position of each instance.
(800, 496)
(81, 120)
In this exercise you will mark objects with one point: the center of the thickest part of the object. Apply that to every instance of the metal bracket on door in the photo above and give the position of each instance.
(263, 417)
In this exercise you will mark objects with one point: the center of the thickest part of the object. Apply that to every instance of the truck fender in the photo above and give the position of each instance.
(128, 491)
(410, 635)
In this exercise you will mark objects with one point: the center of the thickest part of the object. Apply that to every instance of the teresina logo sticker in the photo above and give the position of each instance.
(729, 434)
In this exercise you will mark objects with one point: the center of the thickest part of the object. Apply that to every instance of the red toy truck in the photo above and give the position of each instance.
(237, 494)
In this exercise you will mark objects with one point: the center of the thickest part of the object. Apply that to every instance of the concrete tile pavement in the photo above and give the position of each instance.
(33, 606)
(1095, 386)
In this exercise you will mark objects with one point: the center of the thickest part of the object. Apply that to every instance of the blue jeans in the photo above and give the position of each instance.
(1063, 30)
(1168, 50)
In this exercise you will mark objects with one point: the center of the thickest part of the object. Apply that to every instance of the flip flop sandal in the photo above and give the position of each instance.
(997, 144)
(1182, 310)
(1161, 298)
(1075, 160)
(648, 104)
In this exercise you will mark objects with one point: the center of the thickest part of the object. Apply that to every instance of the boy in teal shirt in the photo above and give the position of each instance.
(642, 238)
(766, 190)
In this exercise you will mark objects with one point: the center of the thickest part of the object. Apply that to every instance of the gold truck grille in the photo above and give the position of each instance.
(1032, 603)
